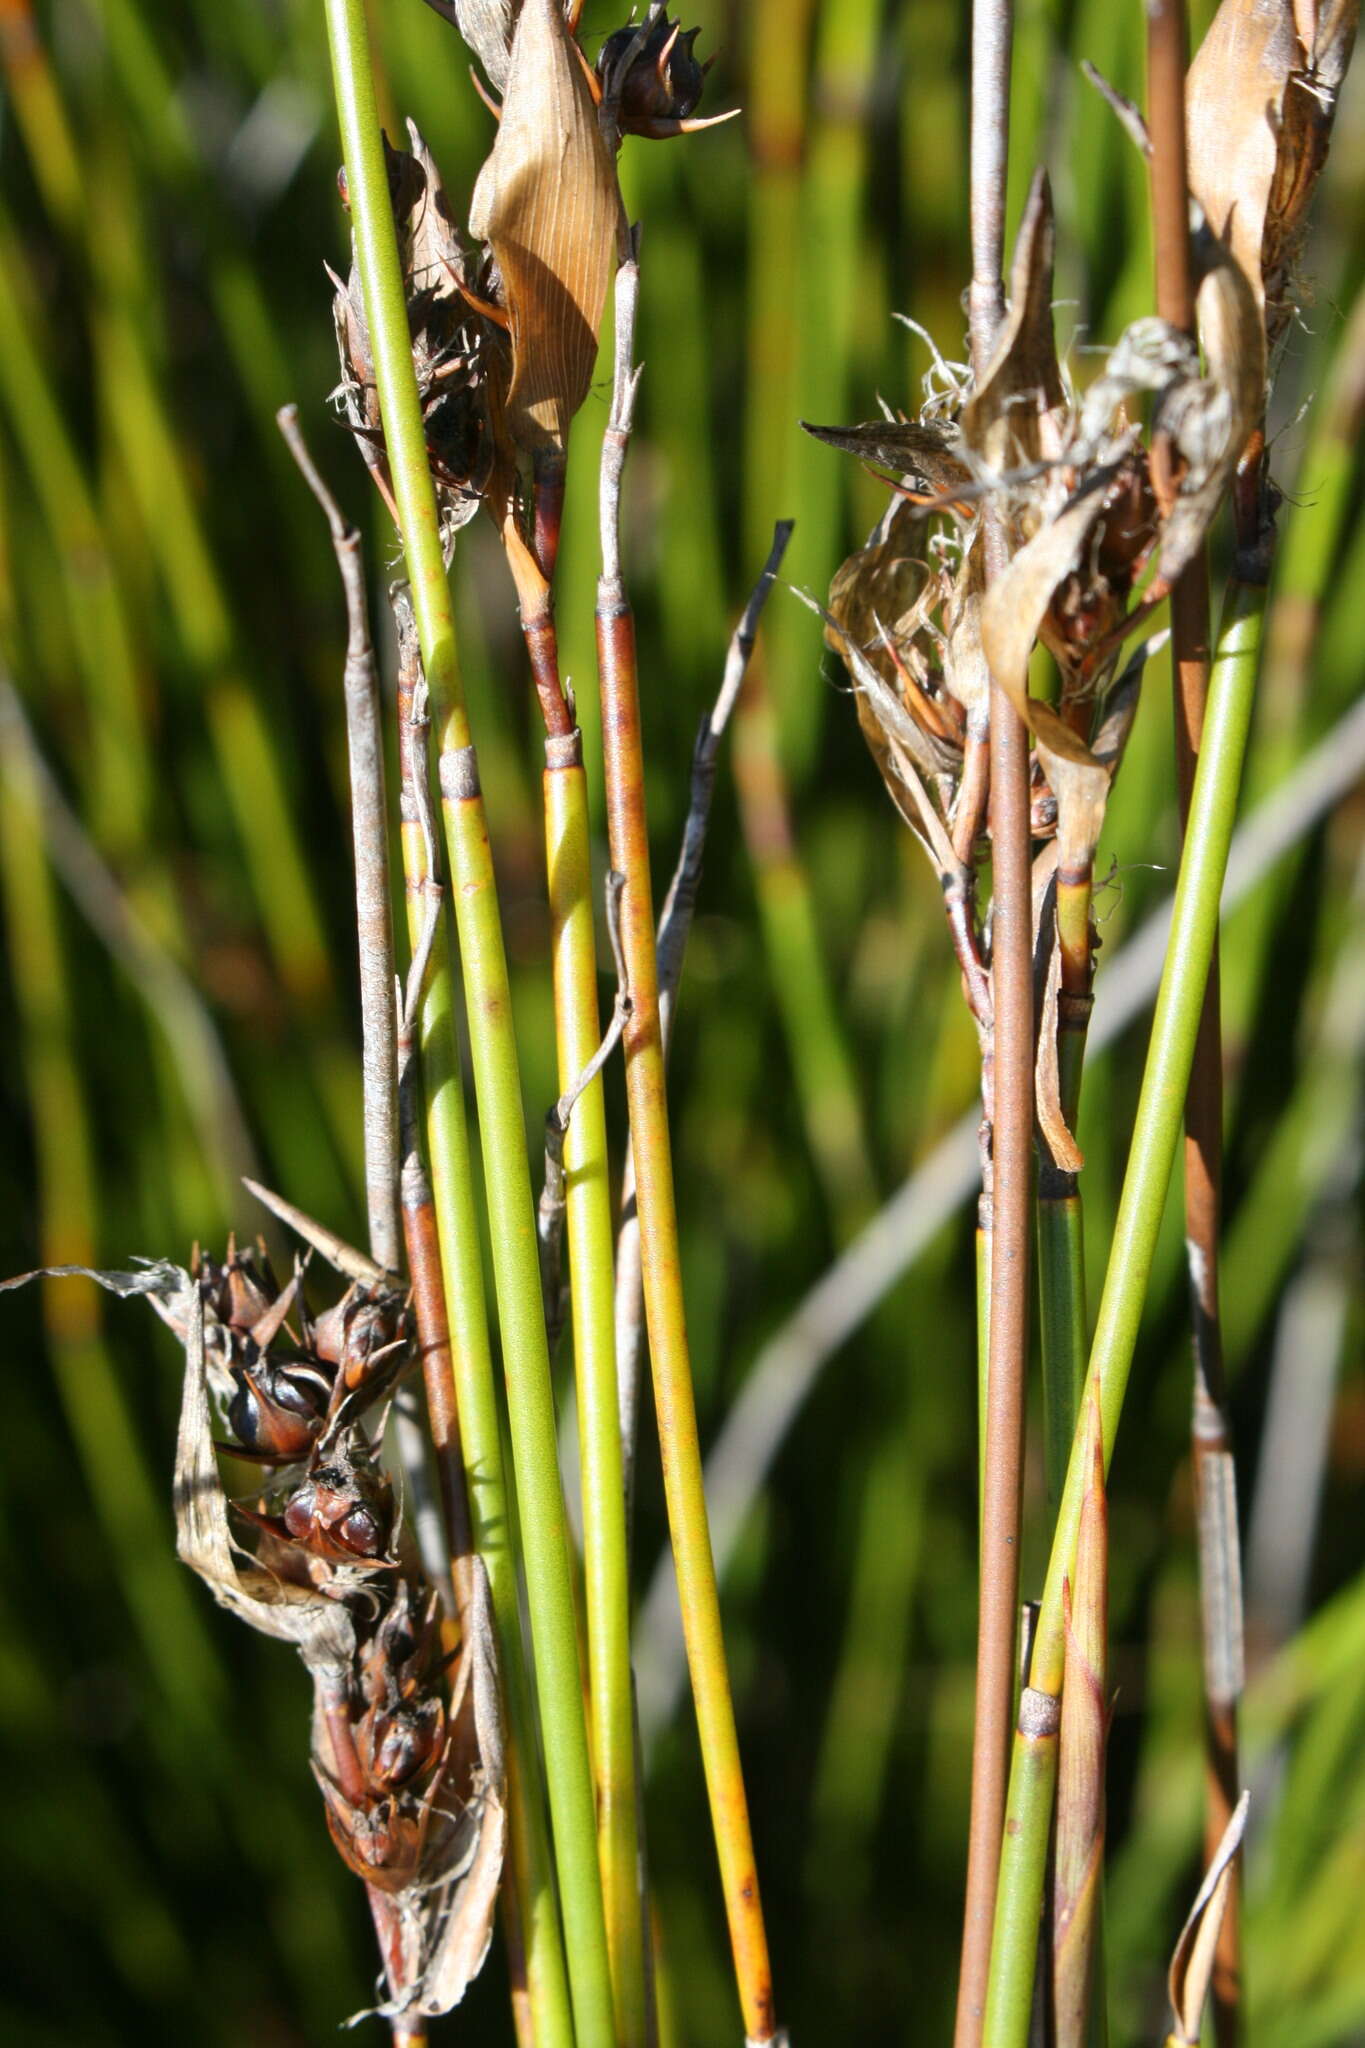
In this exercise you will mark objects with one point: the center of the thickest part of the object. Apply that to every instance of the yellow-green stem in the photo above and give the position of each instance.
(592, 1294)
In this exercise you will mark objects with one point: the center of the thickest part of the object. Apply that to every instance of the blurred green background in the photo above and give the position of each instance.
(177, 998)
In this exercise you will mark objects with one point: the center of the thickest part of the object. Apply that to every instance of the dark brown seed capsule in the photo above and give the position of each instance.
(664, 82)
(277, 1411)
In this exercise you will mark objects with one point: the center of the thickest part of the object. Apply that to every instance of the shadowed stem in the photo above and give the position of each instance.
(1010, 1102)
(1156, 1130)
(497, 1081)
(650, 1144)
(1214, 1469)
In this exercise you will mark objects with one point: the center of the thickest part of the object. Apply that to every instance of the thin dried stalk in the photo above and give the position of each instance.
(1010, 1101)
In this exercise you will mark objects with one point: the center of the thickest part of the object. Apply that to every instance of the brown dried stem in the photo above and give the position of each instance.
(1010, 1101)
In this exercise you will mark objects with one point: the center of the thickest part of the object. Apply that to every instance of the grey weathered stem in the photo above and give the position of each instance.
(365, 749)
(378, 1008)
(675, 923)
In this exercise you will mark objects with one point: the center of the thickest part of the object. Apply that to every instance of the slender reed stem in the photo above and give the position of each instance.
(674, 1399)
(1215, 1472)
(493, 1049)
(1170, 1055)
(540, 1990)
(1011, 1105)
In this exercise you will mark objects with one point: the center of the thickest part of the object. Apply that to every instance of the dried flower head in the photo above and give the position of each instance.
(459, 343)
(1088, 504)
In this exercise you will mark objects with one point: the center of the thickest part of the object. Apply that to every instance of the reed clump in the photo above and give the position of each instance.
(423, 1459)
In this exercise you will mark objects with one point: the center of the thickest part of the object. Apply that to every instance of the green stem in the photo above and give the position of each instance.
(1061, 1261)
(497, 1081)
(1194, 928)
(592, 1294)
(1061, 1327)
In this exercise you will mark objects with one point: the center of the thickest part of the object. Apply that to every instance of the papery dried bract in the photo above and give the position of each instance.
(1210, 419)
(547, 204)
(1260, 103)
(1014, 415)
(1016, 604)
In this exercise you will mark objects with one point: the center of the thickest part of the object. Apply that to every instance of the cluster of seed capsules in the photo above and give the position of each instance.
(293, 1395)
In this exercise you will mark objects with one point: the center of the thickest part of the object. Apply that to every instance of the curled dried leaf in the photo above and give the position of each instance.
(1063, 1152)
(547, 204)
(898, 743)
(1192, 1963)
(923, 452)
